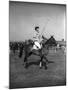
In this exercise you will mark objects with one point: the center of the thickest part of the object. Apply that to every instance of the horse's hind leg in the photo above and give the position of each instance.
(25, 59)
(45, 59)
(26, 56)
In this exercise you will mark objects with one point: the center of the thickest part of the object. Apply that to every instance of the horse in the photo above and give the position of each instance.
(28, 50)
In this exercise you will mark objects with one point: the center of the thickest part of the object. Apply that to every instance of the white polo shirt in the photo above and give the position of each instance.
(37, 37)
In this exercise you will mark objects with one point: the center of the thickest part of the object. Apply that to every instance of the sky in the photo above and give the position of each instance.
(23, 17)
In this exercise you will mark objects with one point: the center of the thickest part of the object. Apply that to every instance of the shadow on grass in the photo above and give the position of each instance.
(44, 64)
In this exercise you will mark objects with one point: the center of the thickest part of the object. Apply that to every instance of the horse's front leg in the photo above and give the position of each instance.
(43, 63)
(45, 58)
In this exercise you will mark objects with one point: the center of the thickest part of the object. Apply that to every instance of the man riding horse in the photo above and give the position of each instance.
(35, 48)
(37, 39)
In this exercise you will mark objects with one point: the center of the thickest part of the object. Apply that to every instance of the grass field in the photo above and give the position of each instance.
(55, 75)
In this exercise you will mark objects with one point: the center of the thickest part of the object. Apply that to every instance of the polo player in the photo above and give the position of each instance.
(37, 39)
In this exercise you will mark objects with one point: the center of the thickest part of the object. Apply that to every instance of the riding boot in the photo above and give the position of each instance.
(40, 65)
(41, 61)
